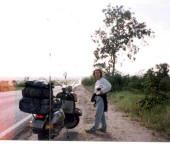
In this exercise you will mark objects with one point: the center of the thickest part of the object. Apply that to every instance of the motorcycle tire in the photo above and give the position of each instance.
(72, 124)
(43, 135)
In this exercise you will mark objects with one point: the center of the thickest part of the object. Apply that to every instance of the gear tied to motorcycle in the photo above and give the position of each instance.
(50, 114)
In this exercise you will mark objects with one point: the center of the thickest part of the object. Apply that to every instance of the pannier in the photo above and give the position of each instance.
(32, 92)
(36, 97)
(34, 105)
(68, 104)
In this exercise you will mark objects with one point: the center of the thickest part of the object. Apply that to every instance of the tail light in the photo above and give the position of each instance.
(40, 116)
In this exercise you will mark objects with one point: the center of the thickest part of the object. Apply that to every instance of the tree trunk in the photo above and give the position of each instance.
(113, 61)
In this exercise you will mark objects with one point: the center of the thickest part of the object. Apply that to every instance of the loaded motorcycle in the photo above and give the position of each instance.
(50, 113)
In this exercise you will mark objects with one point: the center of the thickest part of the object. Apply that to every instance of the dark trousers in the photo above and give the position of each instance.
(104, 97)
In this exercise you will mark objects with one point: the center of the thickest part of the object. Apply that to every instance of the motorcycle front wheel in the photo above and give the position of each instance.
(71, 121)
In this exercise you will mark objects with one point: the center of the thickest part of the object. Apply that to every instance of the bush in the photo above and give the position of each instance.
(89, 81)
(125, 80)
(116, 81)
(119, 82)
(151, 101)
(165, 84)
(135, 82)
(154, 83)
(20, 84)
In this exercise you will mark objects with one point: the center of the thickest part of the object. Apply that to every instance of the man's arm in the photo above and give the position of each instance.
(106, 86)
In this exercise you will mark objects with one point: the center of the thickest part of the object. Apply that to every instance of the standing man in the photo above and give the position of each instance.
(102, 87)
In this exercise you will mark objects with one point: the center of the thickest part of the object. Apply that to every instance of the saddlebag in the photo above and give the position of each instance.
(68, 106)
(34, 105)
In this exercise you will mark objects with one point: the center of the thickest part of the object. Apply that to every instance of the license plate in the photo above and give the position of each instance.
(39, 124)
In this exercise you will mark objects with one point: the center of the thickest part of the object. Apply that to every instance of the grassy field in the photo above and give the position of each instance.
(18, 88)
(158, 118)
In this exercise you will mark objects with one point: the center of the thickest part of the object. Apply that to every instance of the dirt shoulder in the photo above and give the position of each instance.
(119, 127)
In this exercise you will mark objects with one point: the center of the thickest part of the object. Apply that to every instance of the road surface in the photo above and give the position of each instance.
(9, 110)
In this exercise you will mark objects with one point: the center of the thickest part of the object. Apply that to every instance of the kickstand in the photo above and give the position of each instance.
(67, 136)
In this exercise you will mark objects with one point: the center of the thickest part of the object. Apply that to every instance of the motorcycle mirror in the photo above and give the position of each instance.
(69, 88)
(64, 89)
(65, 75)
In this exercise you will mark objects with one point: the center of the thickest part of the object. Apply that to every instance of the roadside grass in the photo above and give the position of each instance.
(19, 88)
(19, 85)
(158, 118)
(126, 101)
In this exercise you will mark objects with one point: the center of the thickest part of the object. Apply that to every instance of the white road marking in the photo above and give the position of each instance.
(7, 131)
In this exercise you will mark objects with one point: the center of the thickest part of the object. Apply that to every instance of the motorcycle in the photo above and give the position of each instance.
(63, 114)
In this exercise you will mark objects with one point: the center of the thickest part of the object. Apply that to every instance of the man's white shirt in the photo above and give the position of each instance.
(103, 84)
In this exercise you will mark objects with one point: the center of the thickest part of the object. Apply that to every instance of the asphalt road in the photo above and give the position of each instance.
(9, 110)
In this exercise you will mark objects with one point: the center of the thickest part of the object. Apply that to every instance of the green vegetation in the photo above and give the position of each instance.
(19, 85)
(157, 118)
(88, 81)
(147, 97)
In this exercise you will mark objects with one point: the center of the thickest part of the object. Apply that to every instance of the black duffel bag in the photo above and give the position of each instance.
(37, 89)
(39, 84)
(36, 97)
(34, 105)
(32, 92)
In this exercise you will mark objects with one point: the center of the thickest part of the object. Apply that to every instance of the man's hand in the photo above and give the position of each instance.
(93, 98)
(99, 92)
(94, 104)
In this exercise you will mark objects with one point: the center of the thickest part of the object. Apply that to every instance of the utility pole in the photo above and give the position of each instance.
(50, 92)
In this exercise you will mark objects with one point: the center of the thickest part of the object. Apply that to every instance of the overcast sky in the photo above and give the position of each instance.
(31, 30)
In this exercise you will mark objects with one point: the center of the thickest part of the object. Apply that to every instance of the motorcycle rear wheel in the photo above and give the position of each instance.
(44, 135)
